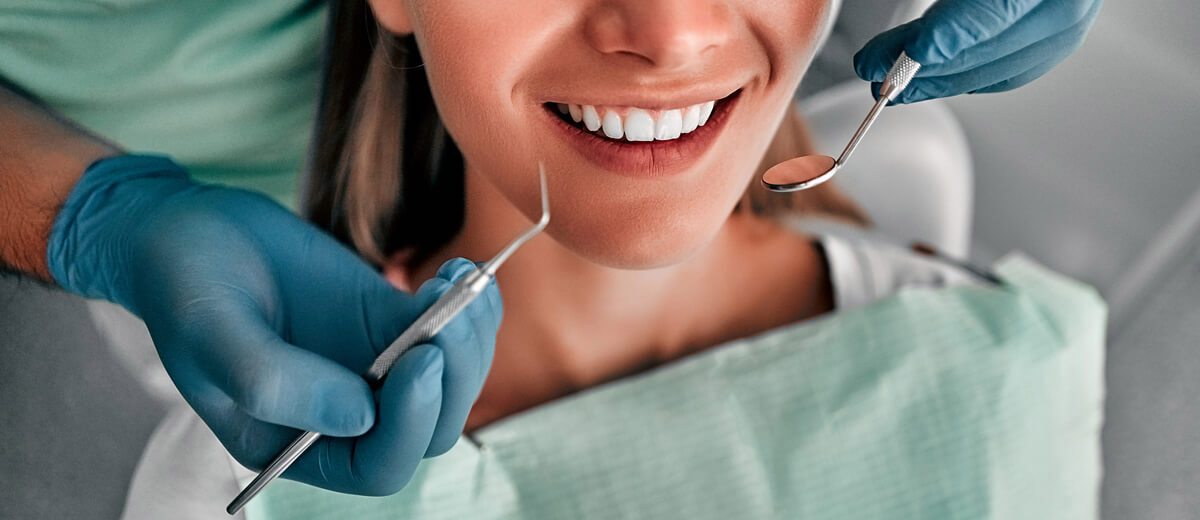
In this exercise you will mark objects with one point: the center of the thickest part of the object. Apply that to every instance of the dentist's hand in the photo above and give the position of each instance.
(265, 323)
(975, 46)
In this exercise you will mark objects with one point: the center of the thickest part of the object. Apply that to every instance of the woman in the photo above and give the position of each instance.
(642, 233)
(434, 117)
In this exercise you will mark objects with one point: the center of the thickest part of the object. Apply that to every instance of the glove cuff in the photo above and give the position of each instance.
(86, 251)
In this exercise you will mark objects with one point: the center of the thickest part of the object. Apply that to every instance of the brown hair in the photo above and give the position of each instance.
(384, 176)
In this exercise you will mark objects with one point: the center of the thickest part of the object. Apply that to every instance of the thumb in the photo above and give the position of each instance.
(279, 383)
(384, 460)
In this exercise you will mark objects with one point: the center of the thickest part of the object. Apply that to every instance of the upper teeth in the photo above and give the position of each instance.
(639, 124)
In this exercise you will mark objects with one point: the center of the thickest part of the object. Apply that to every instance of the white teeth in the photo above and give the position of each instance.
(639, 126)
(705, 111)
(669, 126)
(612, 126)
(691, 118)
(590, 118)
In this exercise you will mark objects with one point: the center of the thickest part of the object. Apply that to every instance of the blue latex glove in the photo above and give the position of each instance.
(265, 323)
(975, 46)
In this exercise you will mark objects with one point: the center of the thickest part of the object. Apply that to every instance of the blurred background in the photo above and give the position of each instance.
(1094, 170)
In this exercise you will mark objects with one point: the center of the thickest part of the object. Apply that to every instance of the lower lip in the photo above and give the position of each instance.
(647, 158)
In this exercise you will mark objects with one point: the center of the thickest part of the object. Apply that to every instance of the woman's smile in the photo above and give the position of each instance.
(637, 182)
(639, 142)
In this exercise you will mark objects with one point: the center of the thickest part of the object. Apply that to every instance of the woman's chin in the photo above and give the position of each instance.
(636, 247)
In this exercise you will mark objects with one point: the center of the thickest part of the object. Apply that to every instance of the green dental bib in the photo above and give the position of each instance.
(969, 402)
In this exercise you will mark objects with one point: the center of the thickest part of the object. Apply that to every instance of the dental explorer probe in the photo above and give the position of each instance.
(809, 171)
(425, 327)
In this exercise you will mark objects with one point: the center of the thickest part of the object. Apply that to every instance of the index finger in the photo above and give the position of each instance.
(1045, 21)
(951, 26)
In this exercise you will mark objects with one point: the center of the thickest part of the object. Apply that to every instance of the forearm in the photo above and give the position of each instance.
(41, 157)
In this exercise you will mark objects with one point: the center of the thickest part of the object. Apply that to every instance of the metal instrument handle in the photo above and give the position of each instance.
(898, 78)
(285, 459)
(429, 323)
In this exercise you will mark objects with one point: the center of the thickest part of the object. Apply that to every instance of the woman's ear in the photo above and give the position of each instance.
(392, 15)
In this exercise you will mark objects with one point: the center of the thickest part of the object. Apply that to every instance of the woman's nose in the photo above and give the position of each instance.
(669, 34)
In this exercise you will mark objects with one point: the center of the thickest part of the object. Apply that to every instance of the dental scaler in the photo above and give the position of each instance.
(425, 327)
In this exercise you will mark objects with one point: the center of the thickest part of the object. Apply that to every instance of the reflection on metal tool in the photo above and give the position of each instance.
(810, 171)
(425, 327)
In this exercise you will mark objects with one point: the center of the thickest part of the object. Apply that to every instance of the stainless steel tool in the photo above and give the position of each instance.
(810, 171)
(425, 327)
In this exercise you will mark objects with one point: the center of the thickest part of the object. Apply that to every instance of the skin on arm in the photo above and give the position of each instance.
(42, 155)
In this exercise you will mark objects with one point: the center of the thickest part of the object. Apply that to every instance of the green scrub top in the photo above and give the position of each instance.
(228, 89)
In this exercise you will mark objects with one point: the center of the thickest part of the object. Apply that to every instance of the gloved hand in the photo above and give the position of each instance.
(265, 323)
(977, 46)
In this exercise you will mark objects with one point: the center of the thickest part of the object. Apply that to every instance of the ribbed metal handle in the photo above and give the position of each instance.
(898, 77)
(430, 322)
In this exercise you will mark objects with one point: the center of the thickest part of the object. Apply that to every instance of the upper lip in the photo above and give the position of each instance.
(647, 97)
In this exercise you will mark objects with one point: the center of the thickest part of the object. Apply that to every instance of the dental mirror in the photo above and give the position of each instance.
(810, 171)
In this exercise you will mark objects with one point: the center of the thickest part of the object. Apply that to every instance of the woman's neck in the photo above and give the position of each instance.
(570, 323)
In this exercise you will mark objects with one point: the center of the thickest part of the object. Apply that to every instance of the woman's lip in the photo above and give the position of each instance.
(650, 158)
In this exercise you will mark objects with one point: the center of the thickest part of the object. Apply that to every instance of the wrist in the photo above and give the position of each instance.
(41, 159)
(93, 237)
